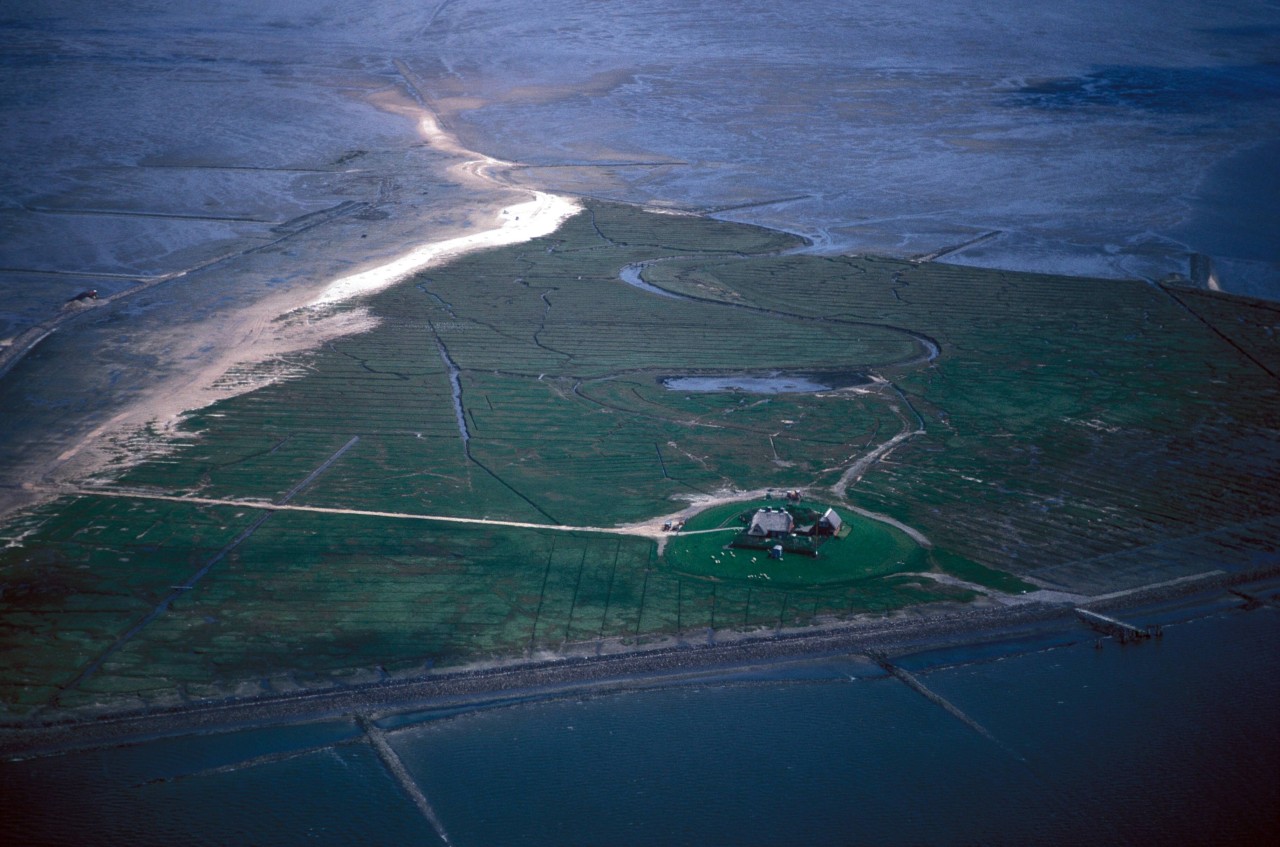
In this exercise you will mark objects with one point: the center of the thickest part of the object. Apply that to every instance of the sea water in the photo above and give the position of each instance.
(1171, 740)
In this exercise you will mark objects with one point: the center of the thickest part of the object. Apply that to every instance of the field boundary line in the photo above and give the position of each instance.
(178, 590)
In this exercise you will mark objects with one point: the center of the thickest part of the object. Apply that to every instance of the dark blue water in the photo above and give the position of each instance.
(1236, 208)
(1165, 742)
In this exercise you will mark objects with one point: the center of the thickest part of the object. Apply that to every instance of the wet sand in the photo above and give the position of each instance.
(93, 386)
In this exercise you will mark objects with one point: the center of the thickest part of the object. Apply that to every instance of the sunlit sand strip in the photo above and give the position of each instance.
(522, 222)
(225, 356)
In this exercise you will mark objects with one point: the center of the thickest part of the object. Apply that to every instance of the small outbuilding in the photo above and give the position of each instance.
(828, 524)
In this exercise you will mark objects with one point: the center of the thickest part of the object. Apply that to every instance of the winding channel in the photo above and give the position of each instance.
(633, 275)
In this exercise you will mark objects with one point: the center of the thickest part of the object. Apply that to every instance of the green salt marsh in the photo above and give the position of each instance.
(1088, 435)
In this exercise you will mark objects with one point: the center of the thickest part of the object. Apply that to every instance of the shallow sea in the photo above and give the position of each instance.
(1162, 742)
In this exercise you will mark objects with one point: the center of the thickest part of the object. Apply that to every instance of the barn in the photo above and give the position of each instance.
(828, 524)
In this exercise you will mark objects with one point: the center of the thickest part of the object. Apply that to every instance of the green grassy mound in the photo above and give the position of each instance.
(870, 549)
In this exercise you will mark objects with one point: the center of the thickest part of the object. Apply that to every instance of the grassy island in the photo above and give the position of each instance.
(1035, 431)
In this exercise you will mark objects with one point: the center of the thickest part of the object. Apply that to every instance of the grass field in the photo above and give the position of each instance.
(1083, 434)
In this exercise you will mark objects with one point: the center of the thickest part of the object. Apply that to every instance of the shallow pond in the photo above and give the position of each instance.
(762, 383)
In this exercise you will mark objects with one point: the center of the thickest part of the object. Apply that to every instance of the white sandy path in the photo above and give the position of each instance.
(646, 530)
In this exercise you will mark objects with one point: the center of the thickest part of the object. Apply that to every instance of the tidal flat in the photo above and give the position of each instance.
(392, 567)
